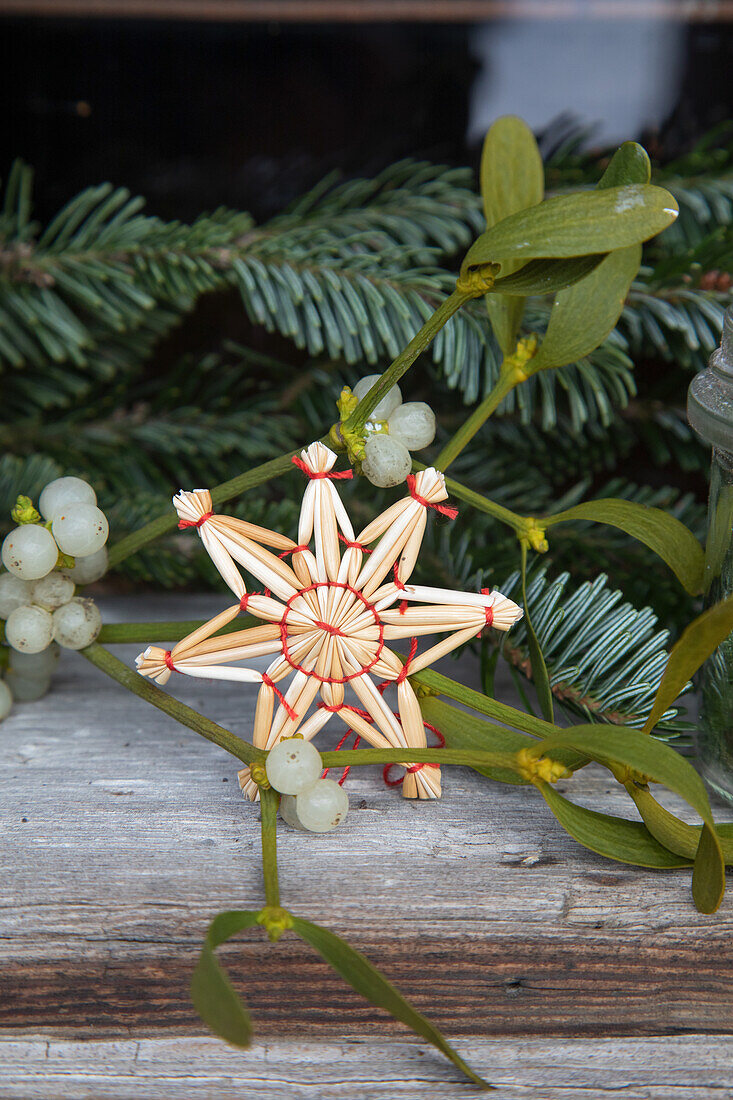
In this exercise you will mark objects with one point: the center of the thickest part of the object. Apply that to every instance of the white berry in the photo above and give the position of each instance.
(413, 424)
(80, 529)
(29, 629)
(27, 689)
(52, 591)
(88, 569)
(77, 623)
(293, 765)
(322, 806)
(62, 492)
(6, 700)
(33, 665)
(386, 461)
(13, 593)
(389, 402)
(287, 812)
(29, 552)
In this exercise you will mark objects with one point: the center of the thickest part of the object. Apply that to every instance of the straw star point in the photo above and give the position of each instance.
(328, 616)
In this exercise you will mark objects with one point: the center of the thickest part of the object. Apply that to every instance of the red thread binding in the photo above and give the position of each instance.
(414, 767)
(311, 672)
(398, 584)
(244, 600)
(405, 670)
(295, 550)
(354, 545)
(488, 611)
(169, 661)
(290, 712)
(194, 522)
(444, 509)
(321, 475)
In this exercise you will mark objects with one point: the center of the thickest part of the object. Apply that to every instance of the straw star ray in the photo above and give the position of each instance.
(328, 615)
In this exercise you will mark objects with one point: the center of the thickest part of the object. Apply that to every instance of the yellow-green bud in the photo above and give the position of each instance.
(275, 920)
(24, 512)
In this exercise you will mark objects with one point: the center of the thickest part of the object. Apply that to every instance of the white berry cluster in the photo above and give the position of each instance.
(392, 431)
(308, 802)
(45, 561)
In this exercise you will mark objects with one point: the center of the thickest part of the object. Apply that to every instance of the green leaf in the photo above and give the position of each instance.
(674, 834)
(539, 669)
(613, 837)
(698, 641)
(512, 179)
(708, 876)
(583, 315)
(577, 225)
(629, 164)
(546, 276)
(512, 176)
(214, 997)
(662, 533)
(636, 750)
(362, 976)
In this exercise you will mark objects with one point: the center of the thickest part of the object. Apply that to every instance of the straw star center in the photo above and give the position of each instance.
(342, 618)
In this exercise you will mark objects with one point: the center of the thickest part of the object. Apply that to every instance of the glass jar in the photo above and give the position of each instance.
(710, 413)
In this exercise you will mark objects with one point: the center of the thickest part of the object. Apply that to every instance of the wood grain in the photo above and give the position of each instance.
(124, 834)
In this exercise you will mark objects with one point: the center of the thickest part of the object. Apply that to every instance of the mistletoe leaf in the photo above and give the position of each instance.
(613, 837)
(701, 638)
(577, 225)
(583, 315)
(362, 976)
(540, 677)
(661, 532)
(512, 179)
(659, 763)
(674, 834)
(547, 276)
(214, 997)
(629, 164)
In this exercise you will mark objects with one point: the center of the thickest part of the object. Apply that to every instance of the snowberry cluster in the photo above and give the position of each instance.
(392, 431)
(308, 802)
(45, 561)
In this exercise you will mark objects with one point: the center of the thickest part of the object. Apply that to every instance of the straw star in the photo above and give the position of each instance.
(329, 615)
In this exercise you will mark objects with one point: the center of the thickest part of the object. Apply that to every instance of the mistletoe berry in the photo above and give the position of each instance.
(293, 765)
(29, 552)
(322, 806)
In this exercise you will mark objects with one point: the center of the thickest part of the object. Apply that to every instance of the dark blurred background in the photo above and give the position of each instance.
(194, 113)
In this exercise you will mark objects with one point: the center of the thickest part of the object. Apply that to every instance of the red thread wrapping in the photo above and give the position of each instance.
(414, 767)
(244, 600)
(194, 522)
(405, 670)
(444, 509)
(321, 475)
(289, 710)
(169, 661)
(354, 545)
(310, 672)
(295, 550)
(398, 584)
(488, 611)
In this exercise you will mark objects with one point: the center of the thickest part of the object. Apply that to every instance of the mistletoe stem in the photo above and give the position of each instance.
(187, 716)
(269, 801)
(137, 540)
(164, 631)
(468, 758)
(505, 384)
(407, 357)
(481, 503)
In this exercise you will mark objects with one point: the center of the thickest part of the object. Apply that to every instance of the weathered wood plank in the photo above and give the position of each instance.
(46, 1068)
(124, 834)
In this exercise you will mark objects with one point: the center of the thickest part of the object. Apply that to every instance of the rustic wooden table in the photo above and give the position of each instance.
(558, 974)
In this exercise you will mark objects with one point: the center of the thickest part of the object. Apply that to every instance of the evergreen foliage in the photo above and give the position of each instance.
(347, 275)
